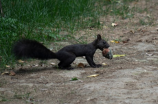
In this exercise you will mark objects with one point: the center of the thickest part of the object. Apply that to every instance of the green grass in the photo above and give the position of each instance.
(3, 99)
(43, 20)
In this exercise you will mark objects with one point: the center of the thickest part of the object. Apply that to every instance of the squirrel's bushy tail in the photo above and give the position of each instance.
(32, 49)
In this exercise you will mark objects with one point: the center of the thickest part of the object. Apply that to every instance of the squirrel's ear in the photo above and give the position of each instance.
(98, 37)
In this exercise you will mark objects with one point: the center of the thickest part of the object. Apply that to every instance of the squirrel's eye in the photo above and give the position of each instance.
(104, 42)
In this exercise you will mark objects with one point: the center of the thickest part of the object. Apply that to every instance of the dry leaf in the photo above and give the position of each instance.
(21, 61)
(94, 75)
(52, 63)
(5, 73)
(148, 15)
(114, 24)
(7, 66)
(104, 64)
(114, 41)
(35, 65)
(12, 73)
(135, 3)
(132, 31)
(118, 55)
(126, 40)
(80, 65)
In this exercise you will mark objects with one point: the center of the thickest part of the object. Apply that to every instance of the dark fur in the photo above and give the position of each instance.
(33, 49)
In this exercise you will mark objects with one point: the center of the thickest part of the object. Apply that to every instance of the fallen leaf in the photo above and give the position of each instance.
(114, 41)
(35, 65)
(135, 3)
(132, 31)
(104, 64)
(126, 40)
(52, 63)
(80, 65)
(114, 24)
(117, 41)
(7, 66)
(5, 73)
(148, 15)
(21, 61)
(12, 73)
(149, 54)
(118, 55)
(94, 75)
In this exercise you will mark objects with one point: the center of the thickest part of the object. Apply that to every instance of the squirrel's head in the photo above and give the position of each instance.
(101, 43)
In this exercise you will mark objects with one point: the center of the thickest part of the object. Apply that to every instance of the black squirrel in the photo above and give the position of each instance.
(32, 49)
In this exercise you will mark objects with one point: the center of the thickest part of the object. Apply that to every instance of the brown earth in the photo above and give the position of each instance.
(132, 79)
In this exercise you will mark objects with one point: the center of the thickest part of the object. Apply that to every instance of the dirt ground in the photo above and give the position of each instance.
(132, 79)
